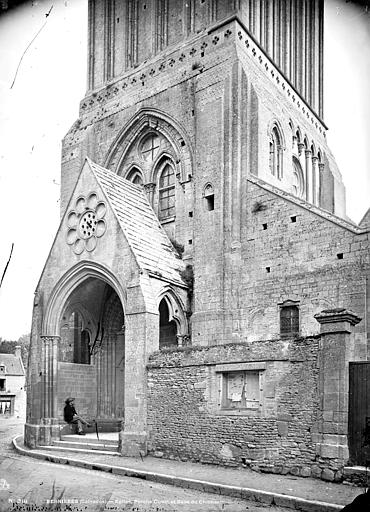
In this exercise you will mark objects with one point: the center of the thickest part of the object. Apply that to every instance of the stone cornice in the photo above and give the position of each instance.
(100, 103)
(332, 316)
(254, 50)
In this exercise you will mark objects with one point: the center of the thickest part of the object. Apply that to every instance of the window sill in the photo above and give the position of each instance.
(239, 412)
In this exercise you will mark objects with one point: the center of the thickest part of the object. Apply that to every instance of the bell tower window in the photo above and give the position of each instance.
(166, 207)
(276, 153)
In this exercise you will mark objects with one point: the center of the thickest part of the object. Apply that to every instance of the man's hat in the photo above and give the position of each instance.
(70, 399)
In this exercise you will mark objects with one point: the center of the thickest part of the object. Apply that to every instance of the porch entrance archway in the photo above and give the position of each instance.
(91, 360)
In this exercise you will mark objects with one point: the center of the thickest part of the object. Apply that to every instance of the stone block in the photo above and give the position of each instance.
(284, 417)
(313, 506)
(282, 427)
(329, 451)
(328, 475)
(334, 439)
(133, 444)
(306, 472)
(316, 471)
(261, 497)
(284, 501)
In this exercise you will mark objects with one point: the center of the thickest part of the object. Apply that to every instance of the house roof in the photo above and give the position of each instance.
(148, 240)
(13, 364)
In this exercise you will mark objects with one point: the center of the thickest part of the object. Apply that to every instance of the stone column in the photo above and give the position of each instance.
(334, 355)
(294, 143)
(308, 175)
(315, 182)
(149, 189)
(47, 429)
(300, 148)
(50, 375)
(321, 180)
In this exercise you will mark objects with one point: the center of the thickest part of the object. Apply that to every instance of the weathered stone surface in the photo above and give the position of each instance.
(327, 474)
(212, 102)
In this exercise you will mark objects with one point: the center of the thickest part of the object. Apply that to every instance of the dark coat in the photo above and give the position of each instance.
(360, 504)
(69, 412)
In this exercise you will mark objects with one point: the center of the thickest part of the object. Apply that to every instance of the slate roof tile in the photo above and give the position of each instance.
(148, 240)
(12, 363)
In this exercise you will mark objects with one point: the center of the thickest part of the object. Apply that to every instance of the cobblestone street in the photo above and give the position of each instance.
(30, 485)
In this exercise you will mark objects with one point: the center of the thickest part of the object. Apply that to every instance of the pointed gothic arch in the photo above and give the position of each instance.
(141, 124)
(176, 309)
(276, 147)
(298, 187)
(67, 284)
(135, 175)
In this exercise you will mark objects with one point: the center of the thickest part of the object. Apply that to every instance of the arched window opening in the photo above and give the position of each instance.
(135, 176)
(150, 146)
(166, 207)
(209, 198)
(298, 186)
(289, 320)
(276, 153)
(167, 328)
(81, 340)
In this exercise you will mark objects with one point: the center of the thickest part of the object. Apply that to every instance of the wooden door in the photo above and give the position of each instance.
(359, 414)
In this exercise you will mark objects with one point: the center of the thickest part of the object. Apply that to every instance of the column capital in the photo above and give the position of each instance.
(337, 320)
(314, 159)
(149, 187)
(46, 337)
(307, 152)
(183, 340)
(321, 167)
(300, 147)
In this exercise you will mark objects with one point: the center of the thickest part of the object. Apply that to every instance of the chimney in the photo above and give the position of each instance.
(17, 351)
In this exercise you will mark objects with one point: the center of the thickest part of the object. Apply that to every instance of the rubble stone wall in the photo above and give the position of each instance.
(186, 420)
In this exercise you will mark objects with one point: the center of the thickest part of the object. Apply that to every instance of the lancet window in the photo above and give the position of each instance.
(166, 190)
(135, 176)
(276, 153)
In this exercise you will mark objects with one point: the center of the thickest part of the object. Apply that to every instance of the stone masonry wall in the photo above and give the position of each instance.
(186, 420)
(78, 381)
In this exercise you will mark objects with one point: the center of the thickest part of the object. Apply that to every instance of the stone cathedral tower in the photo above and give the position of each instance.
(203, 231)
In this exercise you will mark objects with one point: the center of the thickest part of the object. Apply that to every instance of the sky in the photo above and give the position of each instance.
(39, 108)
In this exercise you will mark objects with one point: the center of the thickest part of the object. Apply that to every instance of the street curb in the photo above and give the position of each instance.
(265, 497)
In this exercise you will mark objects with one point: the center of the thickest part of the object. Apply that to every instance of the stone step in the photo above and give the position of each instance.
(86, 446)
(103, 440)
(84, 450)
(104, 425)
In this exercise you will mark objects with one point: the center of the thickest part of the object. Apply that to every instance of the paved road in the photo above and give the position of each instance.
(36, 486)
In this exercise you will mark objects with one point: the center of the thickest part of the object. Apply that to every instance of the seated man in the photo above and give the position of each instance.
(71, 416)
